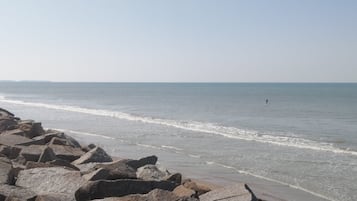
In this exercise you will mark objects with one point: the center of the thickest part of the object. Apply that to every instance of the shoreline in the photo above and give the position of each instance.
(263, 189)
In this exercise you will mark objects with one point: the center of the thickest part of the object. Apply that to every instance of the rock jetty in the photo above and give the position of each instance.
(48, 165)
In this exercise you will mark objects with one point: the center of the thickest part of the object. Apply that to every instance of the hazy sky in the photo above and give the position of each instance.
(179, 41)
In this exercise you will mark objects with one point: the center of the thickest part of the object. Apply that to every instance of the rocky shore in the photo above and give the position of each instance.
(48, 165)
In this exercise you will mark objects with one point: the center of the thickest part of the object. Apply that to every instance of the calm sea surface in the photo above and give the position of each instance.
(305, 136)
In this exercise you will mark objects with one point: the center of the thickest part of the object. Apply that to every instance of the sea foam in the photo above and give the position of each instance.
(210, 128)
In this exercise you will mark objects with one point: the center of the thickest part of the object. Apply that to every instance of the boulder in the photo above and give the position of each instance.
(47, 155)
(16, 131)
(53, 133)
(199, 188)
(59, 141)
(149, 160)
(151, 172)
(237, 192)
(8, 192)
(62, 163)
(177, 178)
(182, 191)
(31, 153)
(117, 188)
(12, 140)
(52, 197)
(10, 152)
(31, 128)
(100, 174)
(89, 147)
(7, 124)
(6, 176)
(51, 180)
(118, 170)
(67, 153)
(5, 114)
(95, 155)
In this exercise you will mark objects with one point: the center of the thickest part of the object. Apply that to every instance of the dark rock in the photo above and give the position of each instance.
(50, 180)
(118, 170)
(151, 172)
(150, 160)
(47, 155)
(237, 192)
(117, 188)
(197, 187)
(95, 155)
(10, 152)
(100, 174)
(7, 124)
(16, 193)
(177, 178)
(67, 153)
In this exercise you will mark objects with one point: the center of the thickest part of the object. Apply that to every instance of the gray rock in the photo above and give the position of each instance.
(47, 155)
(117, 188)
(52, 197)
(118, 170)
(53, 133)
(151, 172)
(67, 153)
(5, 171)
(16, 193)
(31, 128)
(12, 140)
(50, 180)
(237, 192)
(31, 153)
(5, 114)
(62, 163)
(95, 155)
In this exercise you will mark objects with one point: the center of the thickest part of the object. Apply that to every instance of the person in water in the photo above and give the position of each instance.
(266, 101)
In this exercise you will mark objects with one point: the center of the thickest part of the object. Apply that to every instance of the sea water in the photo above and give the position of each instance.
(301, 135)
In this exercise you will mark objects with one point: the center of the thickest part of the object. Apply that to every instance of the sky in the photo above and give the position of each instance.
(179, 41)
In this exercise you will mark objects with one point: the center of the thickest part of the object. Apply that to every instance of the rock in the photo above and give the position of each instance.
(151, 172)
(117, 188)
(237, 192)
(33, 142)
(95, 155)
(5, 114)
(47, 155)
(32, 164)
(100, 174)
(89, 147)
(16, 131)
(7, 124)
(53, 197)
(6, 176)
(150, 160)
(51, 180)
(62, 163)
(67, 153)
(12, 140)
(196, 186)
(58, 141)
(10, 152)
(118, 170)
(16, 193)
(53, 133)
(31, 153)
(182, 191)
(31, 128)
(177, 178)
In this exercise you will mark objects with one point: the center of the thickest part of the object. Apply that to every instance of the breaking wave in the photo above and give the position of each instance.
(210, 128)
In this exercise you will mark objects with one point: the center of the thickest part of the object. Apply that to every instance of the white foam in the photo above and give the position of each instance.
(270, 179)
(228, 132)
(85, 133)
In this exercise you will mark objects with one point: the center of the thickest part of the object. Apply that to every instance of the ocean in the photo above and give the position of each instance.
(304, 137)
